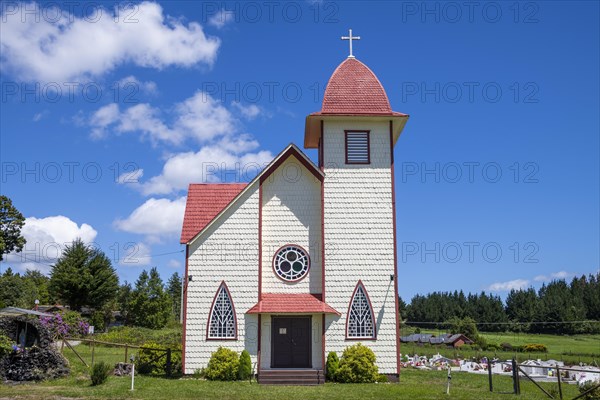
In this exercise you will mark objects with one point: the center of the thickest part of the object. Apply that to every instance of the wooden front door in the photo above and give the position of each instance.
(291, 342)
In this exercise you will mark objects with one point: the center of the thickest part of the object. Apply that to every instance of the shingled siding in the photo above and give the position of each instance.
(359, 241)
(227, 250)
(316, 341)
(291, 214)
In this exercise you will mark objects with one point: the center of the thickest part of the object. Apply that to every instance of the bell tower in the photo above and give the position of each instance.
(355, 133)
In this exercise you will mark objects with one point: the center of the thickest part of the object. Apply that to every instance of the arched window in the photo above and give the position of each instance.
(360, 321)
(222, 321)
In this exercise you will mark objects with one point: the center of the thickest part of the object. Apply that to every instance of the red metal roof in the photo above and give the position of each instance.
(204, 202)
(276, 303)
(354, 89)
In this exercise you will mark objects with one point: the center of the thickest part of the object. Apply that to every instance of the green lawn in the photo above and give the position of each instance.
(571, 349)
(414, 385)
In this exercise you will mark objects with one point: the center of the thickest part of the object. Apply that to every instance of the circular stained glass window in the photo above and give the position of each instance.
(291, 263)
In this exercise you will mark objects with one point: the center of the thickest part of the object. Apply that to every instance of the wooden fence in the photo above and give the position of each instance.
(164, 352)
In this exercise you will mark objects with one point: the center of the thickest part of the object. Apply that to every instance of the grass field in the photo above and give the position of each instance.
(413, 384)
(570, 349)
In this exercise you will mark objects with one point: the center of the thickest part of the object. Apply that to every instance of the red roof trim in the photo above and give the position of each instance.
(291, 151)
(185, 293)
(223, 284)
(397, 314)
(291, 303)
(205, 201)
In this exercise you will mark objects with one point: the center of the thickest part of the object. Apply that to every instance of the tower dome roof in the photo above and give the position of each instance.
(354, 89)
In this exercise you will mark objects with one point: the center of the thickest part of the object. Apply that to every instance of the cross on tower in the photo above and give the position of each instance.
(350, 38)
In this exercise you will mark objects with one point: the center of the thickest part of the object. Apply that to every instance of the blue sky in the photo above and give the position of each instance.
(107, 115)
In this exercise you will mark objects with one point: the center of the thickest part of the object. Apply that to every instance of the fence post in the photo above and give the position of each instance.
(93, 350)
(490, 375)
(560, 394)
(126, 350)
(515, 374)
(169, 362)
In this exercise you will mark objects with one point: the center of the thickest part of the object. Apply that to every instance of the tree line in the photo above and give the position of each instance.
(557, 307)
(84, 278)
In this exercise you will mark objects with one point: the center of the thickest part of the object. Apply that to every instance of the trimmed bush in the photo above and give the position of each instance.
(245, 369)
(154, 362)
(223, 365)
(100, 373)
(535, 348)
(357, 365)
(382, 378)
(332, 366)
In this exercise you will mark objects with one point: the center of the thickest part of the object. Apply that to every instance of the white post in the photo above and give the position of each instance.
(132, 375)
(448, 385)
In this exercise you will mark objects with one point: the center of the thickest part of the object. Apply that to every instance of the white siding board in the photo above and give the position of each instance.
(359, 237)
(227, 250)
(291, 214)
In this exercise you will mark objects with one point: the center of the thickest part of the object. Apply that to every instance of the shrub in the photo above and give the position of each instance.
(97, 321)
(223, 365)
(100, 373)
(382, 378)
(154, 362)
(333, 363)
(588, 385)
(492, 347)
(245, 369)
(480, 342)
(535, 348)
(137, 336)
(357, 365)
(68, 323)
(6, 345)
(506, 346)
(200, 373)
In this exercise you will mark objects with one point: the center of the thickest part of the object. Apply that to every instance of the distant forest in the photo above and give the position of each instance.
(557, 307)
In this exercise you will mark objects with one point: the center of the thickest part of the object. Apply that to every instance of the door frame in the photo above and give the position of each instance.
(309, 318)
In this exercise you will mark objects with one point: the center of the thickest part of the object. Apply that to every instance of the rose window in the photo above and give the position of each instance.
(291, 263)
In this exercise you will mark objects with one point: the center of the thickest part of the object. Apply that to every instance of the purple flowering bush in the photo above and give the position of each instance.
(68, 323)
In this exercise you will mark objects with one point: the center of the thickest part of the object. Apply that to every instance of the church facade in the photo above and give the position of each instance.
(301, 261)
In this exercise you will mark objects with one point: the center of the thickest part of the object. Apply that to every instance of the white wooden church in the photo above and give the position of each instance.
(302, 260)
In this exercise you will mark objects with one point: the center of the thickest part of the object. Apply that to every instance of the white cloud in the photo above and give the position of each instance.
(38, 116)
(131, 177)
(221, 18)
(509, 285)
(215, 163)
(130, 86)
(77, 49)
(226, 155)
(156, 218)
(199, 117)
(47, 239)
(174, 263)
(249, 112)
(554, 275)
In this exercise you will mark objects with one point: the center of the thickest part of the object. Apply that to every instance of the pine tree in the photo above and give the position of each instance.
(83, 276)
(11, 222)
(174, 291)
(150, 304)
